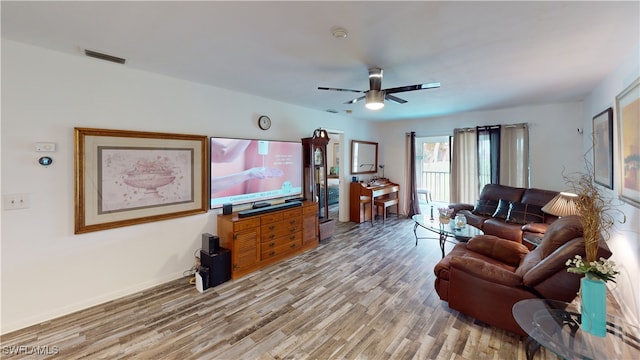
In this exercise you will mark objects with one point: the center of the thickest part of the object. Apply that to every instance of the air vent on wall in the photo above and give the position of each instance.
(97, 55)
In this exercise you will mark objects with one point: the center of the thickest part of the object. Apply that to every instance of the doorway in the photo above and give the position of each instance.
(335, 170)
(433, 170)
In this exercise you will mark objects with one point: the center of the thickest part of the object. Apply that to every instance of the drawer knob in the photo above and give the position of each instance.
(272, 253)
(272, 244)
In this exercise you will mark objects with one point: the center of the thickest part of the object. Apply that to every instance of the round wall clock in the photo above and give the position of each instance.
(264, 122)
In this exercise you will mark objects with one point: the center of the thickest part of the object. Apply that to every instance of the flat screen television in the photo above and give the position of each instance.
(245, 171)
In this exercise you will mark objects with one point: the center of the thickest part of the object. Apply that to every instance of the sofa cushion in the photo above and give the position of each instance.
(503, 250)
(502, 210)
(496, 192)
(520, 213)
(538, 196)
(559, 233)
(502, 229)
(485, 207)
(442, 268)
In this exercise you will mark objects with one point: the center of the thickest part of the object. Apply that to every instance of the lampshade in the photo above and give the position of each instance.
(375, 99)
(563, 204)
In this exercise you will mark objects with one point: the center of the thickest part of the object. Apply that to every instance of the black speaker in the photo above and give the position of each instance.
(210, 243)
(219, 265)
(227, 209)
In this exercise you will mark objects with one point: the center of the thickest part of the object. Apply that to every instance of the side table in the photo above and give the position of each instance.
(556, 326)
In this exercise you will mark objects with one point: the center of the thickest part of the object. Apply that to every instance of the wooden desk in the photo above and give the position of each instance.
(360, 211)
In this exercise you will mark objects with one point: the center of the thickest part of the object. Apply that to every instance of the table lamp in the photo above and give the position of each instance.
(563, 204)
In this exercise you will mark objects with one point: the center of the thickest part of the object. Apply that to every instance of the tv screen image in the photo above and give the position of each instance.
(245, 171)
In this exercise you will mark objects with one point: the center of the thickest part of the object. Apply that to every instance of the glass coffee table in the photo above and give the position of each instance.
(444, 231)
(556, 326)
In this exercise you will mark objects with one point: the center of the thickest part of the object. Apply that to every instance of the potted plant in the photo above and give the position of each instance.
(595, 211)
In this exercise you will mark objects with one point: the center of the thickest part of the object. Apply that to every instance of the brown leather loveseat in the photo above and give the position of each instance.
(485, 277)
(509, 212)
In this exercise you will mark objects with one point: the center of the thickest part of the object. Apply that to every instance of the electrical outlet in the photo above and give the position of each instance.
(16, 201)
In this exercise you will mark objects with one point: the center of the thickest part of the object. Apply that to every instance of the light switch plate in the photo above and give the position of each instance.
(15, 201)
(45, 147)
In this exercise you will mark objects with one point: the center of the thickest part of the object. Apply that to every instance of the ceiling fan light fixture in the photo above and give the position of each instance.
(375, 99)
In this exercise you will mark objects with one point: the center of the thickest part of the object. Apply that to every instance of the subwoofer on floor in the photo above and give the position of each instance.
(219, 264)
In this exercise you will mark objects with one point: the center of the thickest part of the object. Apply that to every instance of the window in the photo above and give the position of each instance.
(488, 156)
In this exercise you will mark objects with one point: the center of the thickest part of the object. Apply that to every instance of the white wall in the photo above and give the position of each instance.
(47, 271)
(625, 240)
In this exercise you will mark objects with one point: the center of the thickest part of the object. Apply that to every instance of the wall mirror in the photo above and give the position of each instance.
(364, 157)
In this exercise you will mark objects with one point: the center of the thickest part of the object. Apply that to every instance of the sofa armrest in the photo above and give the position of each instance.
(506, 251)
(485, 271)
(460, 206)
(539, 228)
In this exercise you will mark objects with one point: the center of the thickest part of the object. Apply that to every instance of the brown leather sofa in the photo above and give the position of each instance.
(509, 212)
(485, 277)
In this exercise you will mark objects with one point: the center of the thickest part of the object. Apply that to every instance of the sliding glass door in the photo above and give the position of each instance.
(433, 168)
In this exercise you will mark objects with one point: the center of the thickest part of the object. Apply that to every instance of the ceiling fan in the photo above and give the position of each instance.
(375, 95)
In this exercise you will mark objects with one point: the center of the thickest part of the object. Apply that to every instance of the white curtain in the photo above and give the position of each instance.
(464, 167)
(514, 155)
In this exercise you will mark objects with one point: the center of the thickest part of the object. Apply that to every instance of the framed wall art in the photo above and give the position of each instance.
(628, 121)
(126, 177)
(603, 148)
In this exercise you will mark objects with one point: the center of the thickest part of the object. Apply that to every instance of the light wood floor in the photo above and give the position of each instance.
(366, 293)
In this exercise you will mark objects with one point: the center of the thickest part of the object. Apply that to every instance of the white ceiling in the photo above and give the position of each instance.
(487, 55)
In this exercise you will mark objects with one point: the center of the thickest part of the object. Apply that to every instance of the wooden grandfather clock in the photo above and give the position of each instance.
(314, 163)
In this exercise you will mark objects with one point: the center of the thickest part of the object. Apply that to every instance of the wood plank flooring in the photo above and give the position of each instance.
(365, 293)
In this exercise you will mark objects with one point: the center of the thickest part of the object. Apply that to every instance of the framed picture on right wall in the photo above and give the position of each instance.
(628, 121)
(603, 148)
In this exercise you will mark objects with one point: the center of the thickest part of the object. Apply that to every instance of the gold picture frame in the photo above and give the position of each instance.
(628, 119)
(124, 178)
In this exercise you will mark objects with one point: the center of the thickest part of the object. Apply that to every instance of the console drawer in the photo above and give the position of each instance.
(285, 248)
(277, 242)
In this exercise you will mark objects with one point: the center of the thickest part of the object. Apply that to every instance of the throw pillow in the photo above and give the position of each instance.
(485, 207)
(502, 210)
(520, 213)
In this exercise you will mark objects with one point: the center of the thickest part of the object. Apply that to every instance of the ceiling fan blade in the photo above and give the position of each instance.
(338, 89)
(432, 85)
(355, 100)
(394, 98)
